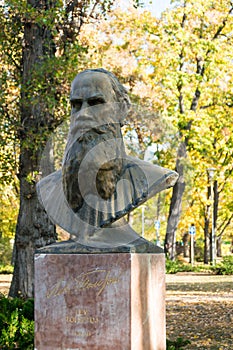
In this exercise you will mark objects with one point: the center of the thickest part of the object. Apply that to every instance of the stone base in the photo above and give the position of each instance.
(140, 245)
(100, 301)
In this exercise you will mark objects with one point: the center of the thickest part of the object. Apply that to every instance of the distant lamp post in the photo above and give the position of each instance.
(157, 228)
(192, 232)
(210, 172)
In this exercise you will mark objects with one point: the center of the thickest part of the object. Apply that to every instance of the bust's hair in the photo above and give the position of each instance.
(120, 91)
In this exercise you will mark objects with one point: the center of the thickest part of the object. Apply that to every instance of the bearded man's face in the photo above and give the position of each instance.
(94, 152)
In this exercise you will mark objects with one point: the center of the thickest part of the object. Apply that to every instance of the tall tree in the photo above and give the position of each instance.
(197, 41)
(180, 65)
(40, 46)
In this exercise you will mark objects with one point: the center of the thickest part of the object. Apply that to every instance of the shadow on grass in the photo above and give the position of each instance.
(214, 287)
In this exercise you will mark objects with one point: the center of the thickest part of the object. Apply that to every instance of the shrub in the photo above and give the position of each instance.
(225, 267)
(16, 323)
(178, 344)
(6, 269)
(177, 266)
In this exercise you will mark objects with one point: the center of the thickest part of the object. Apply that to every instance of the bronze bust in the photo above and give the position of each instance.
(98, 183)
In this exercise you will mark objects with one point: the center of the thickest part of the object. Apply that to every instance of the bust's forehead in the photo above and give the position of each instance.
(94, 81)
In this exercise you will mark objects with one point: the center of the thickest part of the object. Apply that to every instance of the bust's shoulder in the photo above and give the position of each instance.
(146, 177)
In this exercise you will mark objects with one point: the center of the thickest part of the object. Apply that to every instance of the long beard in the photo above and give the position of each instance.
(96, 174)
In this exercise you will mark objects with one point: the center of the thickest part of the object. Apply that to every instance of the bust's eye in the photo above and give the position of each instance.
(96, 101)
(76, 105)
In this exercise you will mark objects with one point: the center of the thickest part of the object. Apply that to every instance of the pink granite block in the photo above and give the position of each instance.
(148, 327)
(99, 301)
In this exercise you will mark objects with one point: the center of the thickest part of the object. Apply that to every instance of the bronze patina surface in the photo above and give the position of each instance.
(98, 183)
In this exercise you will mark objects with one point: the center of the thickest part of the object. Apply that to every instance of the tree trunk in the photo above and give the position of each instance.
(206, 241)
(207, 236)
(175, 206)
(185, 239)
(34, 228)
(218, 240)
(219, 246)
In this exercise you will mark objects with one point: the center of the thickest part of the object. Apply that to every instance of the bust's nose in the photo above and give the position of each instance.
(84, 115)
(84, 105)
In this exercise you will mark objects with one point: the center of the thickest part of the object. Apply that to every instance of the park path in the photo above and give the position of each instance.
(5, 281)
(199, 308)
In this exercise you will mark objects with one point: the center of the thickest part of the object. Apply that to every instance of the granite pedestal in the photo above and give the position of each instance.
(100, 301)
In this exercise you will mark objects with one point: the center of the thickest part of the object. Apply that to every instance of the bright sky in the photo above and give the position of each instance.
(157, 6)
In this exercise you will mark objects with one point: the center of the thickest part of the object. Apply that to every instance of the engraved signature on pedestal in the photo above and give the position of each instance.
(95, 279)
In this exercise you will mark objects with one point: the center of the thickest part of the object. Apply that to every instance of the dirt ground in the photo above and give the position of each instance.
(5, 281)
(199, 308)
